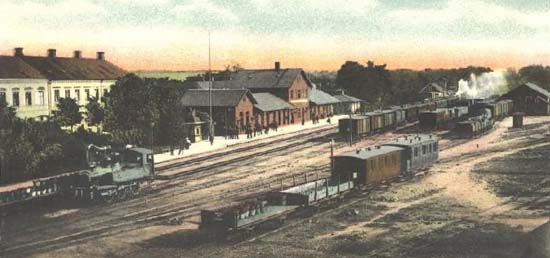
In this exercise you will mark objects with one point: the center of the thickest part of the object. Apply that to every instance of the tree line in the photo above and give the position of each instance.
(381, 87)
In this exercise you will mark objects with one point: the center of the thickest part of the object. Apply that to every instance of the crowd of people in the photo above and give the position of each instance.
(251, 131)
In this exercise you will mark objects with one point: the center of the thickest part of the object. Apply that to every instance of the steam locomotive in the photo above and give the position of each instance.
(110, 175)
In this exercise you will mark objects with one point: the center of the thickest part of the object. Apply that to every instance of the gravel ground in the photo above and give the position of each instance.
(478, 201)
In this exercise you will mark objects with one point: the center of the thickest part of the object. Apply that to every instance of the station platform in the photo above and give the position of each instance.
(220, 142)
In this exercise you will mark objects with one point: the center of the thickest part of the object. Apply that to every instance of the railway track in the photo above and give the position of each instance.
(155, 214)
(164, 207)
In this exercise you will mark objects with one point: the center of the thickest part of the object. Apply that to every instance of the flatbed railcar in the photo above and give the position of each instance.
(271, 206)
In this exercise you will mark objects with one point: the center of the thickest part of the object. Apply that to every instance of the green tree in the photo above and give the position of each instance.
(95, 113)
(67, 113)
(130, 111)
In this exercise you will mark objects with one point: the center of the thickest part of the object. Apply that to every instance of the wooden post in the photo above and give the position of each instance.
(338, 184)
(315, 193)
(281, 184)
(326, 187)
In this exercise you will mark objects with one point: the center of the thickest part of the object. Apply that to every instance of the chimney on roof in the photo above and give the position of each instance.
(277, 65)
(18, 51)
(77, 54)
(100, 55)
(51, 53)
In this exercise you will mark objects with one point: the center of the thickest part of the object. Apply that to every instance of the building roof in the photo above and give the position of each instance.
(58, 68)
(257, 79)
(366, 153)
(346, 98)
(220, 97)
(537, 89)
(269, 102)
(432, 87)
(412, 140)
(15, 68)
(319, 97)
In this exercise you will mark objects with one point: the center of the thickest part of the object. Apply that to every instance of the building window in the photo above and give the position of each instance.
(15, 98)
(299, 94)
(3, 96)
(41, 97)
(87, 92)
(424, 150)
(67, 93)
(77, 95)
(291, 94)
(28, 98)
(56, 95)
(416, 151)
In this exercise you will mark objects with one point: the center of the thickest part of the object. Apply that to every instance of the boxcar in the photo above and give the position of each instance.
(419, 151)
(377, 121)
(400, 115)
(431, 120)
(360, 125)
(369, 165)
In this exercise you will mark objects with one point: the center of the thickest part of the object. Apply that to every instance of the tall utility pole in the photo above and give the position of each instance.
(350, 129)
(211, 127)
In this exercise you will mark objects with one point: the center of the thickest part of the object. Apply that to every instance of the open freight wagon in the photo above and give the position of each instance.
(271, 206)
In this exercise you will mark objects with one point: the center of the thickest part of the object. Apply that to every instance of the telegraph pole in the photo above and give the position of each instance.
(211, 127)
(350, 130)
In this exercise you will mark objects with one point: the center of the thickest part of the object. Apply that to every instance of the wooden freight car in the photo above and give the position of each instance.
(360, 125)
(431, 120)
(368, 165)
(400, 115)
(419, 151)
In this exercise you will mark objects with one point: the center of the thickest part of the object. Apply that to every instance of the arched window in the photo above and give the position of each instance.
(3, 95)
(28, 96)
(40, 96)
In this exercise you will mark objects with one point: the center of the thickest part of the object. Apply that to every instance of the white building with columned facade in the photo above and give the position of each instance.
(33, 84)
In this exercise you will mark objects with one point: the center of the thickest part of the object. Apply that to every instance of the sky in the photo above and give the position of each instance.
(311, 34)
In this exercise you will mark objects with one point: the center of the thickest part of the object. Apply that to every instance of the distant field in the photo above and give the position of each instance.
(178, 75)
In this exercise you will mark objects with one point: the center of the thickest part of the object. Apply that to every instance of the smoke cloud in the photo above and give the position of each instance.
(484, 85)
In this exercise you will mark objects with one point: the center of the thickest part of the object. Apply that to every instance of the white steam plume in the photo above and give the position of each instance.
(483, 86)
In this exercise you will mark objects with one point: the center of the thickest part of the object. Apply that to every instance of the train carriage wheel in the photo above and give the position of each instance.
(109, 198)
(134, 190)
(121, 195)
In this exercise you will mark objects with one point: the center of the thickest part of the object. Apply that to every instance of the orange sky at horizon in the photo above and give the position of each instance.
(396, 57)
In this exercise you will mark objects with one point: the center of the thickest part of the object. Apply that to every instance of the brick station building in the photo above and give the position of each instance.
(231, 108)
(289, 85)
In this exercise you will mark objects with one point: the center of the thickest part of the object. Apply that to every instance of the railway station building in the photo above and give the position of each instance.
(33, 84)
(347, 104)
(232, 109)
(290, 85)
(530, 99)
(321, 104)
